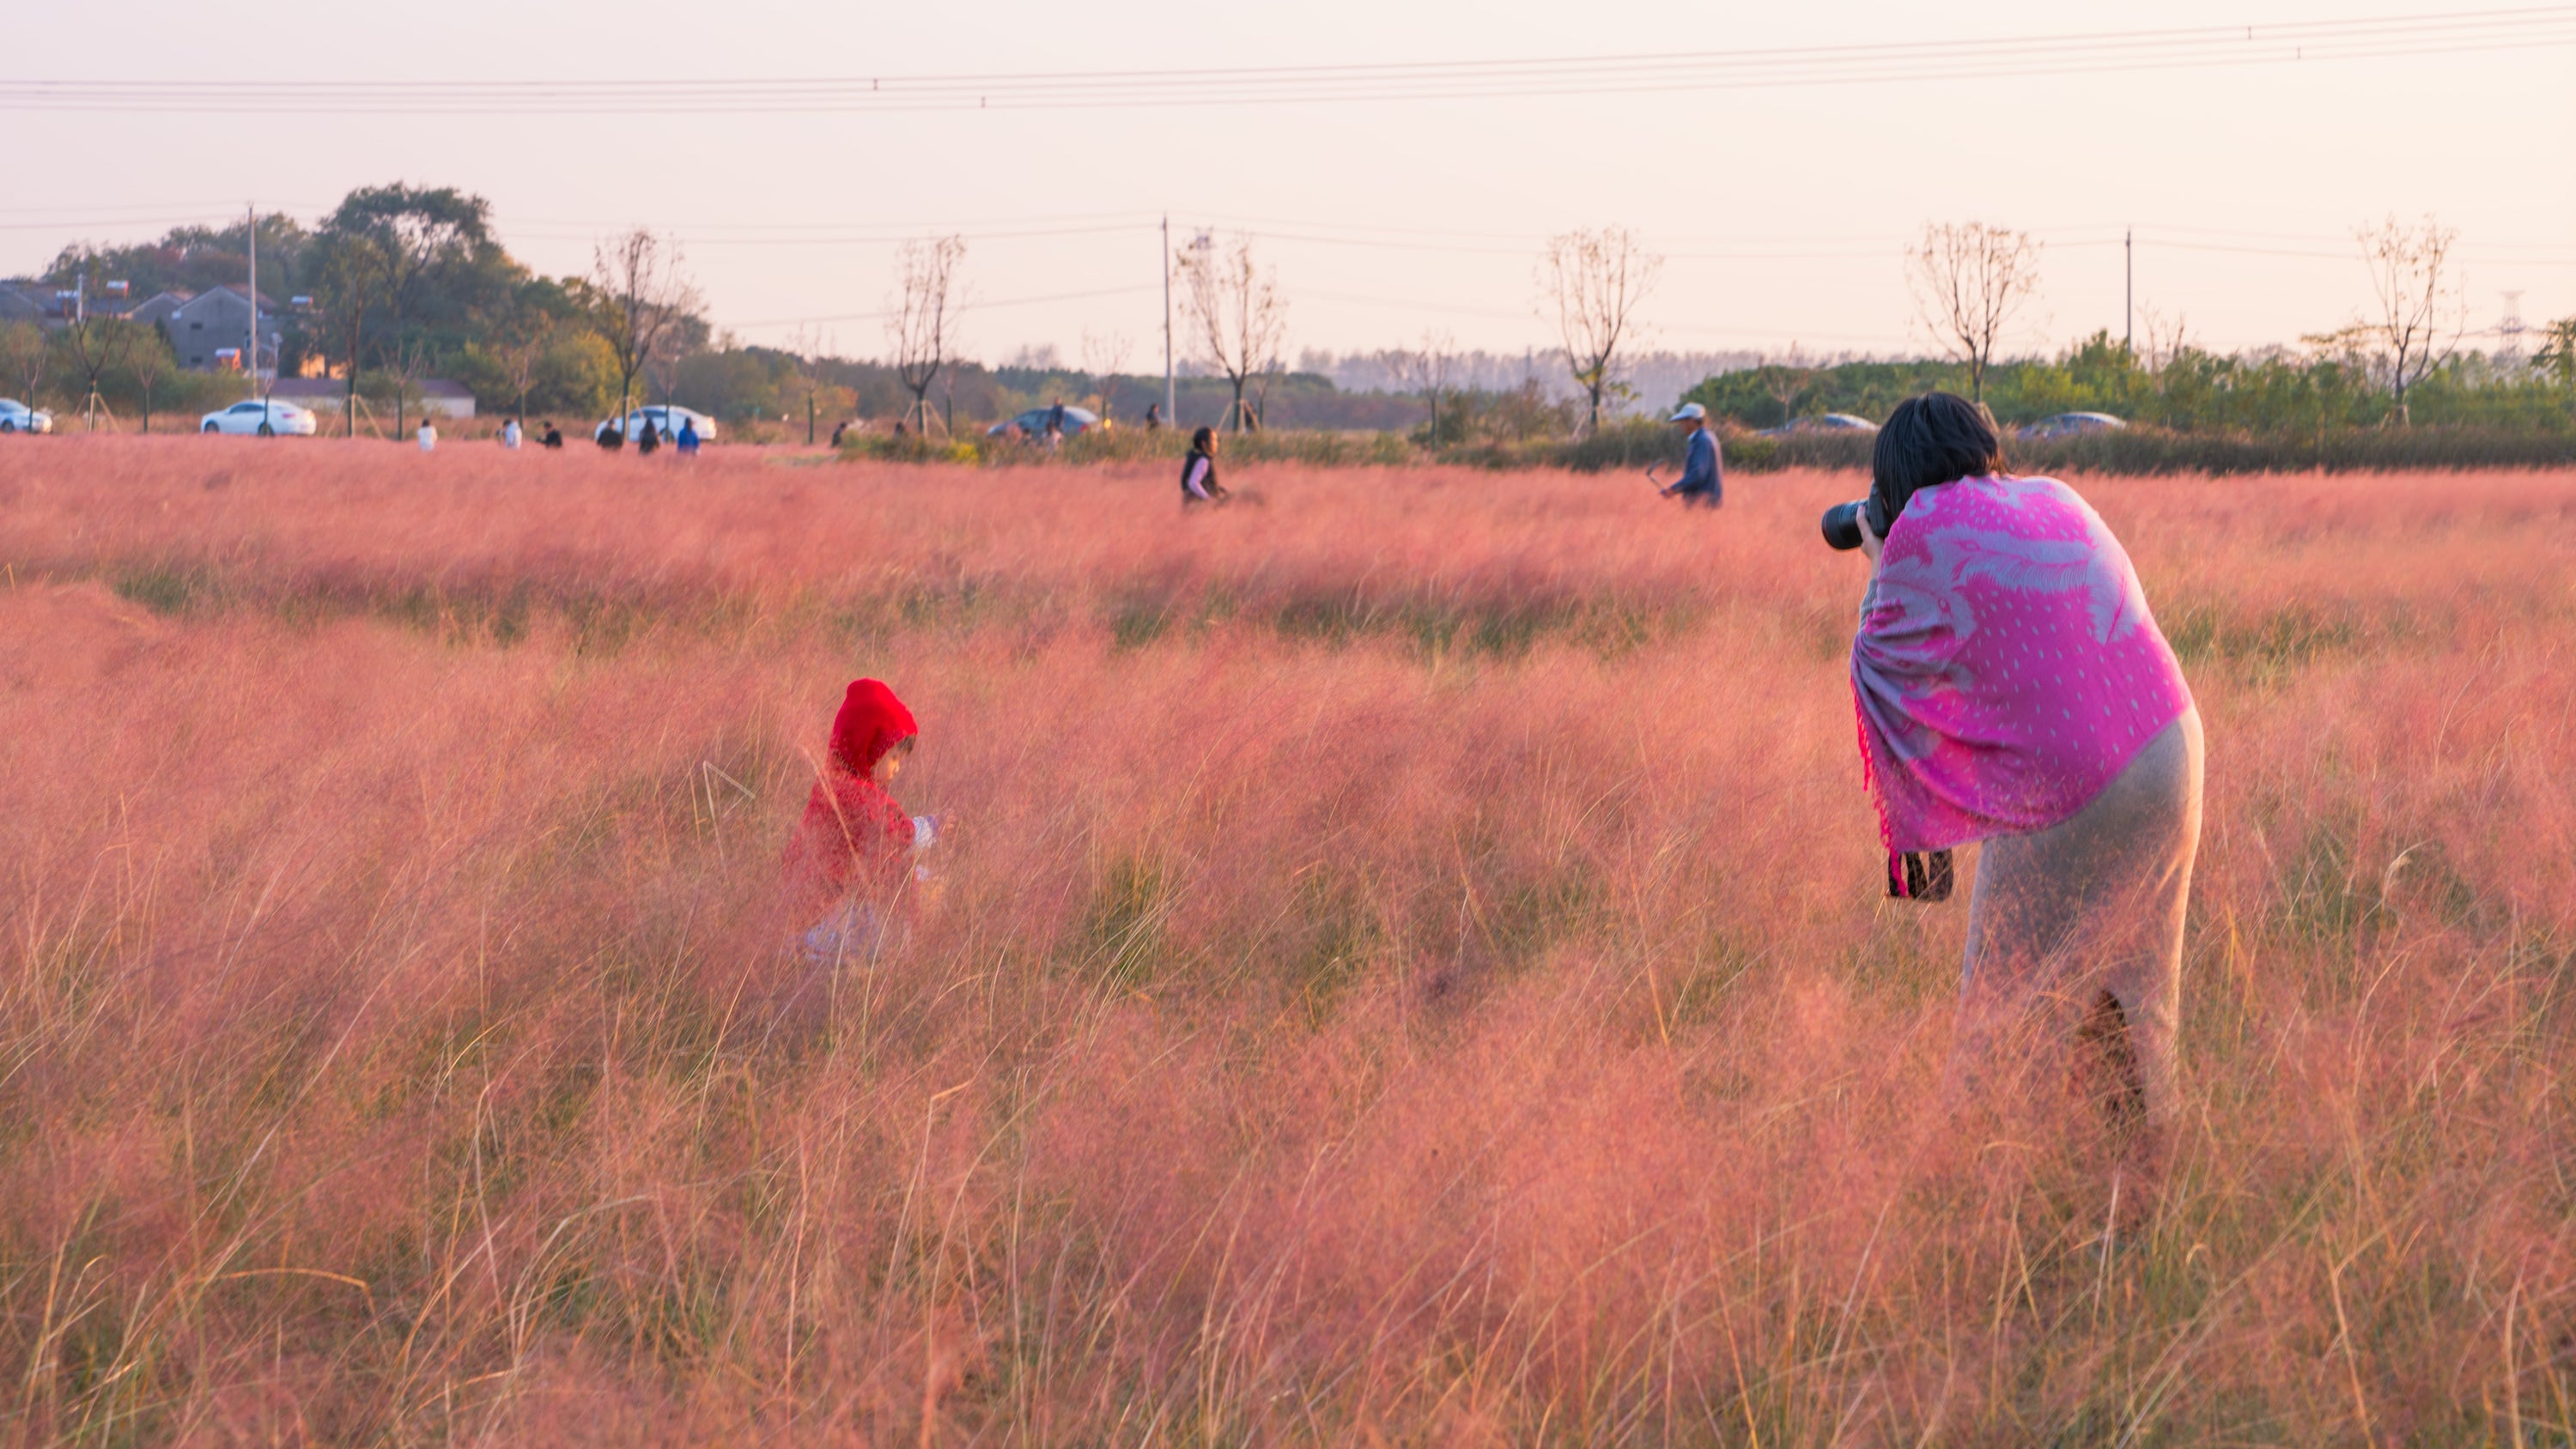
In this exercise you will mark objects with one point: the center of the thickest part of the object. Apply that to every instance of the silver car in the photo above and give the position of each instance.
(2071, 425)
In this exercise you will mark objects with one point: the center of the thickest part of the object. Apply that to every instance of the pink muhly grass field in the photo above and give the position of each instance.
(1410, 968)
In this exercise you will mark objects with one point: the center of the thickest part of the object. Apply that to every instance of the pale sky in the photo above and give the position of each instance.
(1782, 211)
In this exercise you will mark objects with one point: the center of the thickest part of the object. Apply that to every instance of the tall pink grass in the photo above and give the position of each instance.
(1409, 969)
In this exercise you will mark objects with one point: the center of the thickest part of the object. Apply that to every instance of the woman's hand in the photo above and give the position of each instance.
(1870, 542)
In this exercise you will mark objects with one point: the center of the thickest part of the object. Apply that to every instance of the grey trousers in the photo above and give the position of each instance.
(2091, 906)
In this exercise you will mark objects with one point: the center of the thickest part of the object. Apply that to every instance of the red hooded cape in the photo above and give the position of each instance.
(854, 835)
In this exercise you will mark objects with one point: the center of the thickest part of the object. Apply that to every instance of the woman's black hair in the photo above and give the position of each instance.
(1203, 439)
(1937, 438)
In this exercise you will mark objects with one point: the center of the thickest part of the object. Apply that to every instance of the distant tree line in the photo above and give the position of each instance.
(2185, 389)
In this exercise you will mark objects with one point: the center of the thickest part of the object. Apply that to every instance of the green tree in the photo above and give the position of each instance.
(2558, 353)
(191, 258)
(428, 266)
(345, 280)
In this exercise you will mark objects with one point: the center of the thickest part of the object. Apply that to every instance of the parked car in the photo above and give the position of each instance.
(266, 417)
(1821, 423)
(666, 422)
(2070, 425)
(17, 417)
(1033, 423)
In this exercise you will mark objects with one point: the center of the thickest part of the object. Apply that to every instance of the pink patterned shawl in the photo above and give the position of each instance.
(2006, 668)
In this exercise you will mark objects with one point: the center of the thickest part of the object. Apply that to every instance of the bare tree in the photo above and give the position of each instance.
(1594, 278)
(809, 373)
(1426, 370)
(521, 353)
(147, 363)
(923, 326)
(1242, 320)
(405, 359)
(96, 344)
(640, 293)
(1105, 359)
(22, 358)
(2168, 336)
(2421, 313)
(1969, 281)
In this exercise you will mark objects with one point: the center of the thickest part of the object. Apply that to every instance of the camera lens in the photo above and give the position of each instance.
(1842, 525)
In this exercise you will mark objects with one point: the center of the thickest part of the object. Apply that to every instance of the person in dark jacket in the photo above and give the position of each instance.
(553, 437)
(1703, 479)
(649, 439)
(611, 437)
(1198, 471)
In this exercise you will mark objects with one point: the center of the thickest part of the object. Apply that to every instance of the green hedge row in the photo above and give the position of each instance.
(1640, 445)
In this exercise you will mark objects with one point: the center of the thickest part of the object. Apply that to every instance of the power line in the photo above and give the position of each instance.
(2065, 54)
(968, 306)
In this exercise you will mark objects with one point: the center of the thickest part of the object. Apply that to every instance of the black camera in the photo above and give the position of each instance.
(1842, 522)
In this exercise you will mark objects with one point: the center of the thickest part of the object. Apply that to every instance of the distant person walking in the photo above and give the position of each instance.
(1055, 423)
(688, 440)
(1198, 471)
(553, 437)
(428, 437)
(1153, 417)
(610, 437)
(510, 435)
(648, 440)
(1703, 480)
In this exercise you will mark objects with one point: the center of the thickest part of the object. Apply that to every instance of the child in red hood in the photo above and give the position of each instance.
(852, 857)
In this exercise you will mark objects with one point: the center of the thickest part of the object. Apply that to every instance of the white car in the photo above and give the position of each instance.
(265, 417)
(666, 424)
(2071, 425)
(17, 417)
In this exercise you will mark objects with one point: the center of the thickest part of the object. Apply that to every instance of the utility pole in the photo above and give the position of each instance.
(250, 354)
(2129, 291)
(1171, 394)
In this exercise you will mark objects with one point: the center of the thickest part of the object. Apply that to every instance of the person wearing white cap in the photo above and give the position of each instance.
(1703, 479)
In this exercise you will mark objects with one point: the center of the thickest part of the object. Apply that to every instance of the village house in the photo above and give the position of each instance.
(21, 302)
(155, 310)
(208, 330)
(436, 396)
